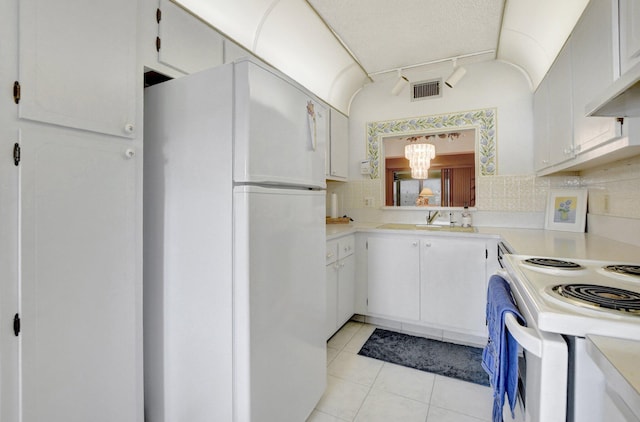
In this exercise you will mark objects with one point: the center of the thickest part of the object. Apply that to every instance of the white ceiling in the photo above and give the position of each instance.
(385, 34)
(335, 47)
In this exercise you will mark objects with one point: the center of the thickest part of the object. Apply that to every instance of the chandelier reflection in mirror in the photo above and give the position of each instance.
(419, 156)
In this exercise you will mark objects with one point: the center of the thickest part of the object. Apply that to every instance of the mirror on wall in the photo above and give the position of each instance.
(451, 180)
(482, 123)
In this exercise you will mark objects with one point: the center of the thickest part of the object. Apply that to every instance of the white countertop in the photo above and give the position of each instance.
(618, 361)
(536, 242)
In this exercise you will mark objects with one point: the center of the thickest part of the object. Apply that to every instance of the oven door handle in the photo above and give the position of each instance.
(526, 337)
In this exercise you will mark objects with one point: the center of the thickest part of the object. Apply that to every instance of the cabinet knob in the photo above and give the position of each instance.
(427, 244)
(128, 128)
(129, 153)
(415, 243)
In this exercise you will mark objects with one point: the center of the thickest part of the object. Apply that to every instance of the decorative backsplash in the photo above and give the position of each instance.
(495, 193)
(614, 189)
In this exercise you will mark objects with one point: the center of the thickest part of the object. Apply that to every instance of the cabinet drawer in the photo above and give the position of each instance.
(346, 246)
(332, 251)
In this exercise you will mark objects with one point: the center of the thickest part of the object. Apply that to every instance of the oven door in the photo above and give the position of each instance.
(542, 383)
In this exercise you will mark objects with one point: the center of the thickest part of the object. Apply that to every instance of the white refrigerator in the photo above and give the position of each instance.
(234, 232)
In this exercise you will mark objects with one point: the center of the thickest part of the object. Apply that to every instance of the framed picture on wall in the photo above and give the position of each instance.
(566, 210)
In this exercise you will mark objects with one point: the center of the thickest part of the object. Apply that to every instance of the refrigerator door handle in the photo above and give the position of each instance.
(311, 118)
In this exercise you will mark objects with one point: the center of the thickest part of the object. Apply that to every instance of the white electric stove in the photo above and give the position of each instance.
(562, 301)
(579, 297)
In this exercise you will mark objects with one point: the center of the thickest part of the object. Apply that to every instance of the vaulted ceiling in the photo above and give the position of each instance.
(335, 47)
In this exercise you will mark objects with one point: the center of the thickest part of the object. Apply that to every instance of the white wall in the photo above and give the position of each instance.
(486, 85)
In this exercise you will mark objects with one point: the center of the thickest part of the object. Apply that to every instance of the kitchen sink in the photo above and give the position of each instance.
(428, 227)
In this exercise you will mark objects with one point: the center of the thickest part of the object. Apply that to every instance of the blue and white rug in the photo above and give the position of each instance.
(438, 357)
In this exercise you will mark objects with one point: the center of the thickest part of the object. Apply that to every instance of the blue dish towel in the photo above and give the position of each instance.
(500, 356)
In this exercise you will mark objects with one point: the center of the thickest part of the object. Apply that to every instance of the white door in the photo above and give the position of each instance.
(80, 290)
(279, 303)
(393, 266)
(280, 130)
(453, 277)
(346, 289)
(186, 43)
(78, 64)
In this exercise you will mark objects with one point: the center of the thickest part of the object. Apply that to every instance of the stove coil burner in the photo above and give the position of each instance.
(601, 297)
(553, 263)
(632, 270)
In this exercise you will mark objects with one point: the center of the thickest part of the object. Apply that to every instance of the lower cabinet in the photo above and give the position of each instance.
(394, 277)
(340, 274)
(437, 282)
(453, 284)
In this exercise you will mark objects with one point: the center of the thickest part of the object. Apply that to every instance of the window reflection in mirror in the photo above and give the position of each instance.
(452, 174)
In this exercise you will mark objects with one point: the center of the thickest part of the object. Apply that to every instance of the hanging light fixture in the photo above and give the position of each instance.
(419, 156)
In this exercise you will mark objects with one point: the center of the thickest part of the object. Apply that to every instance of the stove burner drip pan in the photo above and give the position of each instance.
(600, 297)
(632, 270)
(553, 263)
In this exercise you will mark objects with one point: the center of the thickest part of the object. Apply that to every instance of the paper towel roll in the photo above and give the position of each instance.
(334, 205)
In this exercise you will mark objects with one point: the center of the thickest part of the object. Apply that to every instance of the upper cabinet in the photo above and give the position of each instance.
(541, 126)
(83, 82)
(629, 34)
(593, 54)
(622, 97)
(337, 165)
(184, 42)
(566, 137)
(552, 114)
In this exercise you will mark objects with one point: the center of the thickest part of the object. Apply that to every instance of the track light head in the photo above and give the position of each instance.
(455, 77)
(400, 84)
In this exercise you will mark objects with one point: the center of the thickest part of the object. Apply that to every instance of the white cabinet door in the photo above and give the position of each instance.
(394, 277)
(185, 42)
(629, 34)
(453, 281)
(338, 161)
(332, 287)
(592, 56)
(80, 300)
(340, 269)
(77, 64)
(541, 126)
(332, 299)
(560, 108)
(346, 289)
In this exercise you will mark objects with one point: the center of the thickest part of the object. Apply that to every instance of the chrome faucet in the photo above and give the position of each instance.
(430, 217)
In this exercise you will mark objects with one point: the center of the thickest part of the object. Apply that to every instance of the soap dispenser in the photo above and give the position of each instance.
(466, 217)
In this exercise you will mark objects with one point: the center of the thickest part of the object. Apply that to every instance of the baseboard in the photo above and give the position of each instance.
(423, 330)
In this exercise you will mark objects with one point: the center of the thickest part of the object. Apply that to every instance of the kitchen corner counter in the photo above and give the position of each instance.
(335, 231)
(618, 361)
(558, 244)
(536, 242)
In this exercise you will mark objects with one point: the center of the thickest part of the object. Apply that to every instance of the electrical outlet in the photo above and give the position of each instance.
(368, 201)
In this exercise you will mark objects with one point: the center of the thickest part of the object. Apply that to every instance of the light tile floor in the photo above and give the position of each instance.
(361, 389)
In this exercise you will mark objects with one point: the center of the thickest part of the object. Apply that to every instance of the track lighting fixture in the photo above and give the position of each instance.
(454, 78)
(400, 84)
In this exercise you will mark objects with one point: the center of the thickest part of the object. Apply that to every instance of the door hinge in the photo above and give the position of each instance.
(158, 15)
(16, 92)
(16, 153)
(16, 324)
(158, 43)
